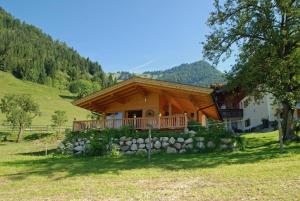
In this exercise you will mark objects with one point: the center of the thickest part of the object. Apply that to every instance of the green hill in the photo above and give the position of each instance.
(30, 54)
(199, 73)
(49, 99)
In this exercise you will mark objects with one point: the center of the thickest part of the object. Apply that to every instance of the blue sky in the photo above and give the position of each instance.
(128, 35)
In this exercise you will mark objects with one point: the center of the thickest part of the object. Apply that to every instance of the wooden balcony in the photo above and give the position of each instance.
(231, 113)
(179, 121)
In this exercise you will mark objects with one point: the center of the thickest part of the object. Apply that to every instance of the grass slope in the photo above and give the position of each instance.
(259, 172)
(49, 99)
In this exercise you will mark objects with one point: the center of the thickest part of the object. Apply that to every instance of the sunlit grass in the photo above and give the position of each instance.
(259, 172)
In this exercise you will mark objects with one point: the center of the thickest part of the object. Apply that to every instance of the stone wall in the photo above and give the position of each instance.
(170, 145)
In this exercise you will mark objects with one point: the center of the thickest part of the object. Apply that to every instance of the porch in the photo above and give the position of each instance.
(178, 121)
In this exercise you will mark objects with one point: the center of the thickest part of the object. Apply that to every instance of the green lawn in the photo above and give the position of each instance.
(259, 172)
(49, 99)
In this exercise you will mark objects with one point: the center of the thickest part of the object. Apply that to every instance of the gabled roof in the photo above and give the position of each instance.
(120, 89)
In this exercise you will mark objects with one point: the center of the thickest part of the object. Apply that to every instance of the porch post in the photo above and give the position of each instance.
(202, 119)
(159, 121)
(185, 120)
(170, 109)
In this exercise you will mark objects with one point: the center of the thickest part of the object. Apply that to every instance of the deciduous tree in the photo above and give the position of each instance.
(265, 35)
(20, 110)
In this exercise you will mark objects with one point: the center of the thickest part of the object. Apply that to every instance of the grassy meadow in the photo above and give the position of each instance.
(260, 172)
(49, 99)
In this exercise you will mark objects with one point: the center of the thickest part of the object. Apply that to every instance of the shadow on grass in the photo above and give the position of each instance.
(36, 136)
(49, 166)
(68, 97)
(39, 153)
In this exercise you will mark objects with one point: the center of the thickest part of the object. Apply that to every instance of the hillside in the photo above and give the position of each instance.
(30, 54)
(49, 99)
(198, 73)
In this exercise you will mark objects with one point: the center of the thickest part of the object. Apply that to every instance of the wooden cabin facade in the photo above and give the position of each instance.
(142, 102)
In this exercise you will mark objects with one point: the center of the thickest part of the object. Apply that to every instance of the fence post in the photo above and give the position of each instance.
(150, 143)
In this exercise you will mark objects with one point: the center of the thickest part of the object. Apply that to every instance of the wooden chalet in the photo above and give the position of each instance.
(142, 102)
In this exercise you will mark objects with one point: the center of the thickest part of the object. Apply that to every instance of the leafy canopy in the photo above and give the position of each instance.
(20, 109)
(59, 118)
(265, 34)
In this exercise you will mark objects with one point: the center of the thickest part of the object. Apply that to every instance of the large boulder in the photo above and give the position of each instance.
(79, 148)
(226, 140)
(188, 141)
(200, 145)
(157, 144)
(211, 145)
(182, 151)
(171, 150)
(180, 140)
(147, 140)
(141, 151)
(177, 145)
(129, 143)
(133, 147)
(165, 139)
(165, 144)
(199, 139)
(140, 140)
(124, 148)
(142, 146)
(172, 140)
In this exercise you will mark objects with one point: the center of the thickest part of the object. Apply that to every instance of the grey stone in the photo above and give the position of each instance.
(148, 145)
(142, 146)
(211, 144)
(226, 140)
(165, 139)
(129, 143)
(154, 139)
(171, 150)
(134, 141)
(121, 143)
(141, 151)
(224, 146)
(128, 138)
(189, 146)
(88, 142)
(186, 131)
(177, 145)
(182, 151)
(123, 138)
(76, 143)
(133, 147)
(180, 139)
(165, 144)
(199, 139)
(157, 144)
(192, 132)
(188, 141)
(172, 140)
(124, 148)
(61, 145)
(201, 145)
(140, 140)
(79, 148)
(129, 152)
(147, 140)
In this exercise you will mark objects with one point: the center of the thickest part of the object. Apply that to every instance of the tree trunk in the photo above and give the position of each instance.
(287, 123)
(20, 134)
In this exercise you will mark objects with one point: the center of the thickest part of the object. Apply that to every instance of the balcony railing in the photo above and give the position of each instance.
(231, 113)
(161, 122)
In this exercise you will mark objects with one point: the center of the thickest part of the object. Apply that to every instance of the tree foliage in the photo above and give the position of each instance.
(30, 54)
(59, 119)
(265, 34)
(20, 110)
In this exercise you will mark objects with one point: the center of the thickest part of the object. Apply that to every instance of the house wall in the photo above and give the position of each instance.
(256, 111)
(136, 102)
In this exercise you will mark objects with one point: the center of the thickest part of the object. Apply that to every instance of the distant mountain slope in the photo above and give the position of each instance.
(30, 54)
(48, 98)
(198, 73)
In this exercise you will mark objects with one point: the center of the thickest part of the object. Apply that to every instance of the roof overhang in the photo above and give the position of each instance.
(138, 84)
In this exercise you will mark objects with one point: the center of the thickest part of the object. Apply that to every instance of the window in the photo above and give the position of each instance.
(247, 123)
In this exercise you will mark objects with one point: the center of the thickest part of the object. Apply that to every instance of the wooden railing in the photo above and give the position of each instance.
(161, 122)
